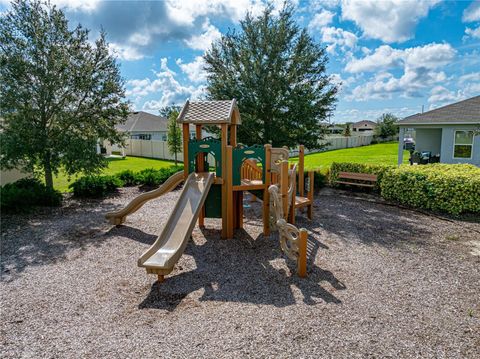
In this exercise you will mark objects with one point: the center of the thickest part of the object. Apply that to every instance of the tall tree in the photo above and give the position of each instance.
(174, 135)
(167, 110)
(386, 126)
(277, 73)
(59, 93)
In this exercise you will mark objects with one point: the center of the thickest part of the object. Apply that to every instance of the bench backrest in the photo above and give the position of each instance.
(358, 176)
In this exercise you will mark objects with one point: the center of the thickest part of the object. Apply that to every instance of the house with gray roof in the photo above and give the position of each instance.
(450, 132)
(145, 126)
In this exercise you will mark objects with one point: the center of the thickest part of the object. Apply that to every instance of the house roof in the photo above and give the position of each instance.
(210, 112)
(364, 123)
(463, 112)
(143, 122)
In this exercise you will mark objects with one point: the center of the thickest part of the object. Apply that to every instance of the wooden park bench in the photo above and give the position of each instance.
(352, 178)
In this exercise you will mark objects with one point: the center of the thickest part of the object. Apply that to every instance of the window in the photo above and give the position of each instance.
(145, 137)
(463, 144)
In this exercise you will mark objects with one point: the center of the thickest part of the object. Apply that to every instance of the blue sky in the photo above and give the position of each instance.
(390, 56)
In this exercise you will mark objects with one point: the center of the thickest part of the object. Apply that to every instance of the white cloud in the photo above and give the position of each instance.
(342, 83)
(429, 56)
(165, 85)
(387, 20)
(472, 12)
(126, 52)
(194, 70)
(77, 5)
(475, 33)
(187, 11)
(204, 41)
(316, 5)
(338, 39)
(138, 87)
(321, 19)
(474, 76)
(384, 57)
(410, 84)
(440, 95)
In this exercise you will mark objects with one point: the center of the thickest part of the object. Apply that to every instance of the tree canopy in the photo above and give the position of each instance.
(174, 135)
(386, 126)
(277, 73)
(59, 93)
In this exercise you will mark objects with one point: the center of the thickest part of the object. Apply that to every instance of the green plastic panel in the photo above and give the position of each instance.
(241, 153)
(205, 145)
(213, 202)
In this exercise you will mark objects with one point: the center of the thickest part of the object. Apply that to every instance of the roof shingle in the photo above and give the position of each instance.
(463, 112)
(210, 112)
(144, 122)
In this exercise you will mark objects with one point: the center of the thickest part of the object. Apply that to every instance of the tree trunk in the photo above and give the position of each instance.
(175, 158)
(48, 172)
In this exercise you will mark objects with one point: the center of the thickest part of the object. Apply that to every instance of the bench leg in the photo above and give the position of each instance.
(310, 211)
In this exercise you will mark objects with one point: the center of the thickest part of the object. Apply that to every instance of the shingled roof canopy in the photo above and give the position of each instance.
(210, 113)
(459, 113)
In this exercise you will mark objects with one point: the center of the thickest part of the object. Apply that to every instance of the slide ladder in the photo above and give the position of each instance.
(118, 217)
(168, 248)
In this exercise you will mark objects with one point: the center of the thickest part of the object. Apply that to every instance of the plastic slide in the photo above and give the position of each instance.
(118, 217)
(169, 246)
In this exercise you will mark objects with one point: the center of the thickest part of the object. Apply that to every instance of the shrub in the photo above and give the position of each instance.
(447, 188)
(128, 177)
(95, 186)
(26, 193)
(152, 177)
(378, 170)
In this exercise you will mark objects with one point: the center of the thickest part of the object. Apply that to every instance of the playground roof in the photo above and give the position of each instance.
(210, 112)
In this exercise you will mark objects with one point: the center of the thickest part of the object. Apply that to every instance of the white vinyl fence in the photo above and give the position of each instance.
(336, 142)
(150, 148)
(159, 149)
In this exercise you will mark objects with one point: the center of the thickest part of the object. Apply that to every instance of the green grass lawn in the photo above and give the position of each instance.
(382, 153)
(115, 165)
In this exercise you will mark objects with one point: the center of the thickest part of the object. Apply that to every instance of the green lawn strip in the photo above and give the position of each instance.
(115, 165)
(382, 153)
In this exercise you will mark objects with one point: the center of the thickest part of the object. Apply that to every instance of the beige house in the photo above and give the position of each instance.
(364, 126)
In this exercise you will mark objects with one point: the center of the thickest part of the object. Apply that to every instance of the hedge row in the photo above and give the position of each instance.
(450, 188)
(453, 189)
(102, 185)
(26, 193)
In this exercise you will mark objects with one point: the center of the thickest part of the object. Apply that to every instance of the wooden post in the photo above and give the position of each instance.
(225, 178)
(291, 213)
(311, 179)
(301, 178)
(233, 135)
(302, 253)
(200, 168)
(229, 193)
(160, 278)
(284, 187)
(186, 138)
(266, 194)
(240, 209)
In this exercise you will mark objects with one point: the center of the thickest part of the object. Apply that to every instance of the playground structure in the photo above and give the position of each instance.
(216, 190)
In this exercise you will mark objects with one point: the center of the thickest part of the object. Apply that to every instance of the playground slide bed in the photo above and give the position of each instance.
(383, 282)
